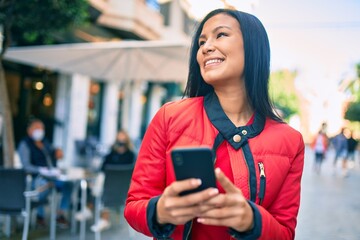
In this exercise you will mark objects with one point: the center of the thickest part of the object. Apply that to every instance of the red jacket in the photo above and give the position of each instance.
(274, 196)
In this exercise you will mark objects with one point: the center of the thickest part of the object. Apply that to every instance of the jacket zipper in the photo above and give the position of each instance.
(247, 166)
(188, 233)
(262, 182)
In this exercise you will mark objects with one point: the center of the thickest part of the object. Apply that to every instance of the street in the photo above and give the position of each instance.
(330, 203)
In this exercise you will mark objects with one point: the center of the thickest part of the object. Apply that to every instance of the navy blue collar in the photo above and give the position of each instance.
(236, 136)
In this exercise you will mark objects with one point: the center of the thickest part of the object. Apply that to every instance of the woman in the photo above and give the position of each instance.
(121, 153)
(319, 145)
(259, 159)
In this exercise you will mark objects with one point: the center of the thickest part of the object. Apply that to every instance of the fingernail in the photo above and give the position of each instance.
(217, 170)
(213, 191)
(196, 182)
(200, 220)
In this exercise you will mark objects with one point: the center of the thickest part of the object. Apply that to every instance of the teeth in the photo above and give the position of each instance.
(213, 61)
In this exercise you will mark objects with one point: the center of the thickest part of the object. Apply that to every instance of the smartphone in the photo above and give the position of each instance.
(194, 162)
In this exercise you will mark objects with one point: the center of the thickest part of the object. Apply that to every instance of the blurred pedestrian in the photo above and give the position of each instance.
(340, 144)
(259, 158)
(352, 144)
(320, 146)
(39, 158)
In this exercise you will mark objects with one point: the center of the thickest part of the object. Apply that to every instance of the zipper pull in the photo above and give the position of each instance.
(262, 169)
(262, 183)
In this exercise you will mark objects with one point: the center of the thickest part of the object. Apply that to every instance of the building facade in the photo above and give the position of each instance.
(82, 114)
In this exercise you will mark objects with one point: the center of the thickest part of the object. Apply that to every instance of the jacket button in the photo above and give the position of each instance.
(244, 132)
(237, 138)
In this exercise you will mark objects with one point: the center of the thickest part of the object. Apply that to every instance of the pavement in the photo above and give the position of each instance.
(329, 210)
(330, 203)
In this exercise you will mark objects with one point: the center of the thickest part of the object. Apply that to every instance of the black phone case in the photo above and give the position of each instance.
(194, 162)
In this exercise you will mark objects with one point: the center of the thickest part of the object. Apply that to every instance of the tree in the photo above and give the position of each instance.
(283, 92)
(353, 110)
(26, 22)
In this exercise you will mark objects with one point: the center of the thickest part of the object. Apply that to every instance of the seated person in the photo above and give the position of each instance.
(121, 153)
(38, 158)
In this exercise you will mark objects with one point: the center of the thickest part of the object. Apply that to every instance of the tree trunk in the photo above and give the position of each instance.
(7, 131)
(7, 128)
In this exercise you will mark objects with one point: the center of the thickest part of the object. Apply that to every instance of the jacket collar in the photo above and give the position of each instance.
(236, 136)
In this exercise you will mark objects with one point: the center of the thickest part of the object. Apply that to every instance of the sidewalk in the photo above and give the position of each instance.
(330, 209)
(330, 203)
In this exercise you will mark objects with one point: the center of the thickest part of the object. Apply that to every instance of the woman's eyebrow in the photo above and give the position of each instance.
(215, 30)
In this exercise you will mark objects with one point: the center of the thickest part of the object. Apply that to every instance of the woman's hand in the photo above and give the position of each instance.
(230, 209)
(177, 210)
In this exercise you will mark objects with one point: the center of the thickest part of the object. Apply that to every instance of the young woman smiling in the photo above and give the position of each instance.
(259, 158)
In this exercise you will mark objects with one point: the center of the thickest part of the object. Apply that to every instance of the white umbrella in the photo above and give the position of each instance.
(111, 61)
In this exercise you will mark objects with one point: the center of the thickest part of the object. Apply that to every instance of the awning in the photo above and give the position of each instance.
(110, 61)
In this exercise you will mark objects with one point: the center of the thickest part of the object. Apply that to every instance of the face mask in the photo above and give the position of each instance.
(120, 144)
(38, 134)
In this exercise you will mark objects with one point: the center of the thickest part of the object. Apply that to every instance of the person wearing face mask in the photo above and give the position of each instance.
(38, 157)
(121, 153)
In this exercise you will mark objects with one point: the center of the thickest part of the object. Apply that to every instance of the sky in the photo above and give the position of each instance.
(325, 34)
(320, 39)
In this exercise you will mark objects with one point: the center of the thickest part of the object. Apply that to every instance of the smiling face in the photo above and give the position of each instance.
(221, 51)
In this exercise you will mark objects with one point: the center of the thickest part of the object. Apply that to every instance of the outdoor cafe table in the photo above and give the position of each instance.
(80, 178)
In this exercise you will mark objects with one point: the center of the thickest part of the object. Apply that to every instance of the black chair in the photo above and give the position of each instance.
(15, 199)
(115, 188)
(116, 184)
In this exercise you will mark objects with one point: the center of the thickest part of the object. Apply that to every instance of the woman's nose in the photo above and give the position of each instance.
(208, 47)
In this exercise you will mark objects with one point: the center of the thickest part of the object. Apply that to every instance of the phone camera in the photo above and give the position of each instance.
(178, 160)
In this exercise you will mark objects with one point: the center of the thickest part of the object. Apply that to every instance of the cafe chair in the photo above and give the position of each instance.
(115, 188)
(16, 198)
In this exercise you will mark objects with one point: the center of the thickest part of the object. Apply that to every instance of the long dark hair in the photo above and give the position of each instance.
(257, 63)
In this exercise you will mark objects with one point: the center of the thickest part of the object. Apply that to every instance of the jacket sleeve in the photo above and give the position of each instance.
(149, 176)
(24, 154)
(279, 220)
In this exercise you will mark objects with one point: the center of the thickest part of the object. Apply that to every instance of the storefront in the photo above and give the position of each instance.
(32, 94)
(77, 106)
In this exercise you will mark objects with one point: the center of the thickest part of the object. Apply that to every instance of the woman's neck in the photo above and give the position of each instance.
(235, 106)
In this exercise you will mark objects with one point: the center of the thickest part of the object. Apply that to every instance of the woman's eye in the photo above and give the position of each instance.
(201, 43)
(221, 34)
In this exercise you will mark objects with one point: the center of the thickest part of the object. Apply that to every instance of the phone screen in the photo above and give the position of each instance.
(194, 162)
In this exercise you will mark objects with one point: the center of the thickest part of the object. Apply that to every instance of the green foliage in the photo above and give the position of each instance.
(36, 21)
(353, 86)
(353, 112)
(283, 93)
